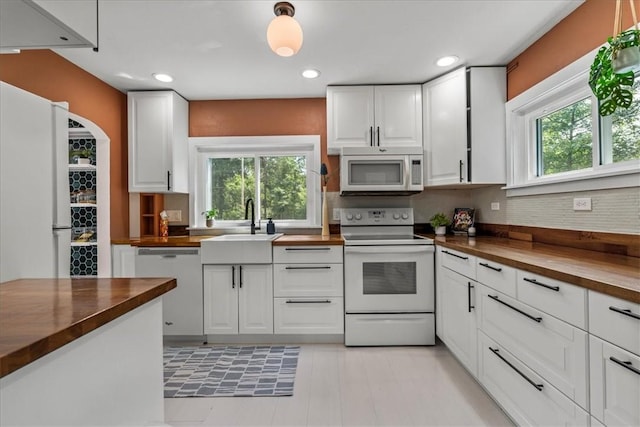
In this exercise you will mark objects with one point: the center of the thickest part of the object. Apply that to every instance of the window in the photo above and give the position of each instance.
(557, 142)
(277, 173)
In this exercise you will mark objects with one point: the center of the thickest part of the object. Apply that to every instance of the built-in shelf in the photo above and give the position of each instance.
(76, 167)
(84, 244)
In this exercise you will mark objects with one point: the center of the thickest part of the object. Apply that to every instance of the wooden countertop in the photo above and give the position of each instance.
(38, 316)
(194, 241)
(308, 240)
(615, 275)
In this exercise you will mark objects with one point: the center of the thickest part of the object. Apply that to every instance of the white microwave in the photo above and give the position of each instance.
(381, 170)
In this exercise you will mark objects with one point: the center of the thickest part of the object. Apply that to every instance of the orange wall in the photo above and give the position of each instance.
(254, 117)
(585, 29)
(49, 75)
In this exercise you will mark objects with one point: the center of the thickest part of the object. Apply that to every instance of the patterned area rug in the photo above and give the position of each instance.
(211, 371)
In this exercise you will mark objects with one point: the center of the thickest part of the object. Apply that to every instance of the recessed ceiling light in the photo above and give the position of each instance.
(445, 61)
(310, 73)
(166, 78)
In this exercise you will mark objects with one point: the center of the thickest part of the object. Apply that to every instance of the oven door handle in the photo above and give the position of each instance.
(395, 249)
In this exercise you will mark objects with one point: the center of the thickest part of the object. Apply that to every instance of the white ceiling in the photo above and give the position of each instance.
(218, 49)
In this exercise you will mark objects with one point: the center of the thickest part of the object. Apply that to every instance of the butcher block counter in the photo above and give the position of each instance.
(615, 275)
(39, 316)
(65, 344)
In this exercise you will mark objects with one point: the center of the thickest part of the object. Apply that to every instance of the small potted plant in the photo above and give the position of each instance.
(439, 222)
(210, 216)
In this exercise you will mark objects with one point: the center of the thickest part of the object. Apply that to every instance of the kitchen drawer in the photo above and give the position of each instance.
(307, 280)
(563, 300)
(497, 276)
(529, 399)
(615, 384)
(459, 262)
(615, 320)
(307, 254)
(554, 349)
(308, 315)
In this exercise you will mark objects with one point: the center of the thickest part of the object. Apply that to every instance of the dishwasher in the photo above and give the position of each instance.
(182, 306)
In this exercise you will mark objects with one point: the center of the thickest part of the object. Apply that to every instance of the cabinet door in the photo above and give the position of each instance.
(522, 393)
(158, 146)
(615, 384)
(398, 115)
(554, 349)
(457, 297)
(123, 261)
(220, 299)
(445, 129)
(349, 117)
(255, 284)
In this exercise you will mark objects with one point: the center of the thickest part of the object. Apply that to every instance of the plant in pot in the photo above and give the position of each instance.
(210, 216)
(613, 70)
(439, 222)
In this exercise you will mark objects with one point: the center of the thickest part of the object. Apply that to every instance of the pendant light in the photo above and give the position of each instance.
(284, 33)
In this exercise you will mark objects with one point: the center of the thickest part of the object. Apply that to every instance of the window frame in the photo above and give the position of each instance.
(203, 148)
(561, 89)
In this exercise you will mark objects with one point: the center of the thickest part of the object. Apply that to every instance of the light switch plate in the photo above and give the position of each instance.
(582, 204)
(495, 206)
(336, 214)
(174, 216)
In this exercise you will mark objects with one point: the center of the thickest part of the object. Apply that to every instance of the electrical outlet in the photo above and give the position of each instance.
(336, 214)
(582, 204)
(495, 206)
(174, 216)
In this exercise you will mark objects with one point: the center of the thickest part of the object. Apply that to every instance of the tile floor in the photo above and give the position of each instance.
(356, 386)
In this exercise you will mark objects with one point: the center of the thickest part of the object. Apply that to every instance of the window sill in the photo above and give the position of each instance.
(599, 181)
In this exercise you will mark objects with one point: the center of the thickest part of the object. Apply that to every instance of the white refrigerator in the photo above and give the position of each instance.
(35, 214)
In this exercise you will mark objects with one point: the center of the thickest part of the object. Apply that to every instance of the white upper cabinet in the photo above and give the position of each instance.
(464, 127)
(158, 142)
(361, 116)
(38, 24)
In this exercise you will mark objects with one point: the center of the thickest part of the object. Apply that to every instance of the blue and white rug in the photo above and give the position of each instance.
(212, 371)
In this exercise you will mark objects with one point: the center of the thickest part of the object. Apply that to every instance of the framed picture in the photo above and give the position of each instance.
(463, 218)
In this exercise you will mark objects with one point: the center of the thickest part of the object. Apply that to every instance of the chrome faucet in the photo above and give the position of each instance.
(253, 215)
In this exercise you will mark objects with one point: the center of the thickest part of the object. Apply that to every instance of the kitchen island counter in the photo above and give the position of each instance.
(38, 316)
(611, 274)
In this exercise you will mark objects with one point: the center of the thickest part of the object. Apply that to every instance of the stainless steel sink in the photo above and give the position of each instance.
(238, 249)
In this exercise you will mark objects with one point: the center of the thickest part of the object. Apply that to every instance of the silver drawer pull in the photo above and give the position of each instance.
(319, 267)
(495, 298)
(308, 249)
(484, 264)
(497, 353)
(625, 311)
(455, 255)
(313, 301)
(535, 282)
(626, 365)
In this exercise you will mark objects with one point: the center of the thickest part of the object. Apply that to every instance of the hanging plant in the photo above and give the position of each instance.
(612, 72)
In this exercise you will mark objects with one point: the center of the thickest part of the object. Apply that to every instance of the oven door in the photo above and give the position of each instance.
(391, 279)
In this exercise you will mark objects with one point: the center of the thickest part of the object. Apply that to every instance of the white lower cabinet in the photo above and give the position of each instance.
(308, 315)
(615, 384)
(238, 299)
(456, 296)
(308, 289)
(552, 348)
(526, 396)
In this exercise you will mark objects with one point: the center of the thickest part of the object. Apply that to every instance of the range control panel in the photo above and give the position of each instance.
(377, 216)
